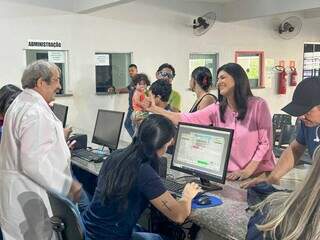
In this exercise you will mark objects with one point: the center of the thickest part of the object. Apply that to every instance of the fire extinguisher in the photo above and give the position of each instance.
(293, 76)
(282, 88)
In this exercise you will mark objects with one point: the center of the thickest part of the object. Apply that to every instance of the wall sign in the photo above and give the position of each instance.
(102, 59)
(44, 44)
(56, 56)
(253, 63)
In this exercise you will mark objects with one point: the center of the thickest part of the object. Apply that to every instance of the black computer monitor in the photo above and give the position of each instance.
(203, 151)
(61, 112)
(108, 128)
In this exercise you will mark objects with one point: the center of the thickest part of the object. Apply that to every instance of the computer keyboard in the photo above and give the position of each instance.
(173, 186)
(87, 155)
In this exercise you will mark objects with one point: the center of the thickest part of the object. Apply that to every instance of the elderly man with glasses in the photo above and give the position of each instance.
(34, 157)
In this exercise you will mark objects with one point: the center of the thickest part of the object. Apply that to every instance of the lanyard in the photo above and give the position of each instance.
(317, 139)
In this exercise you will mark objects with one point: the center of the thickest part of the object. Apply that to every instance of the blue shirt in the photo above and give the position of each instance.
(104, 221)
(253, 233)
(306, 136)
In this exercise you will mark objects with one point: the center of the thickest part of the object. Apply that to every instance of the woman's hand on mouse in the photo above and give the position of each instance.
(191, 190)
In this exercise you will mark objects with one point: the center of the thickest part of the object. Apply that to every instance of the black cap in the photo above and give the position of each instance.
(305, 97)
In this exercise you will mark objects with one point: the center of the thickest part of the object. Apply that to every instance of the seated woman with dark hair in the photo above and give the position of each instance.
(128, 181)
(7, 94)
(200, 83)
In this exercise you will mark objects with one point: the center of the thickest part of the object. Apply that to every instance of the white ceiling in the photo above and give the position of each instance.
(211, 1)
(226, 10)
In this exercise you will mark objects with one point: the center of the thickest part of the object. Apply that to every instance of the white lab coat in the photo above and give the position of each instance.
(34, 157)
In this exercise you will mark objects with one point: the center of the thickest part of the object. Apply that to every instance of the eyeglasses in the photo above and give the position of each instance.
(165, 75)
(55, 79)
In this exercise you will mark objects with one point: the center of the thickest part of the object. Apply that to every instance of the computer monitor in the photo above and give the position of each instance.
(203, 151)
(108, 128)
(61, 112)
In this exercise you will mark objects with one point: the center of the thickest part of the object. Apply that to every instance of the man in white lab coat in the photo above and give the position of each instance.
(34, 157)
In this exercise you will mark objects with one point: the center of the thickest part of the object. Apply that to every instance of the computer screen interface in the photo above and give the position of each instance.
(202, 151)
(108, 128)
(61, 112)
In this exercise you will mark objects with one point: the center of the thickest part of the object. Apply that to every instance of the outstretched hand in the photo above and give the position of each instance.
(238, 175)
(148, 104)
(67, 132)
(111, 90)
(253, 182)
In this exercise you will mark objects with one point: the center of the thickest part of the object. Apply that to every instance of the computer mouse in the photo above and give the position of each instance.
(99, 159)
(203, 200)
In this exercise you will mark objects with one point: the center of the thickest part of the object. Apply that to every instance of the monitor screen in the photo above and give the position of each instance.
(108, 128)
(202, 151)
(61, 112)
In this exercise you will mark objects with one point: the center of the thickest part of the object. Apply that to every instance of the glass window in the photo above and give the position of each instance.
(111, 70)
(204, 60)
(59, 57)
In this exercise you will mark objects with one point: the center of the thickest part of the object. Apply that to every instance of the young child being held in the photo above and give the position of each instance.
(141, 82)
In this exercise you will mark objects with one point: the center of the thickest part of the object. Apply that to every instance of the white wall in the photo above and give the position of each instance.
(157, 37)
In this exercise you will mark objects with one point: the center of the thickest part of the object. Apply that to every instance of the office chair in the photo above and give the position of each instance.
(274, 135)
(278, 121)
(66, 221)
(287, 135)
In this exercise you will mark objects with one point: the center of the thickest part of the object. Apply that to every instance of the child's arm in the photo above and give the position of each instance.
(138, 98)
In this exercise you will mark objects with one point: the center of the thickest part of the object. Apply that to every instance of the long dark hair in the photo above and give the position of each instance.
(242, 90)
(203, 77)
(7, 94)
(122, 167)
(139, 78)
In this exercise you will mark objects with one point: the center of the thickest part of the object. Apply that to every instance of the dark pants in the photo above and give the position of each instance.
(83, 203)
(128, 123)
(141, 234)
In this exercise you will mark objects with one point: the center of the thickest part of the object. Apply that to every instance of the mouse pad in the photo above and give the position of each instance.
(214, 202)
